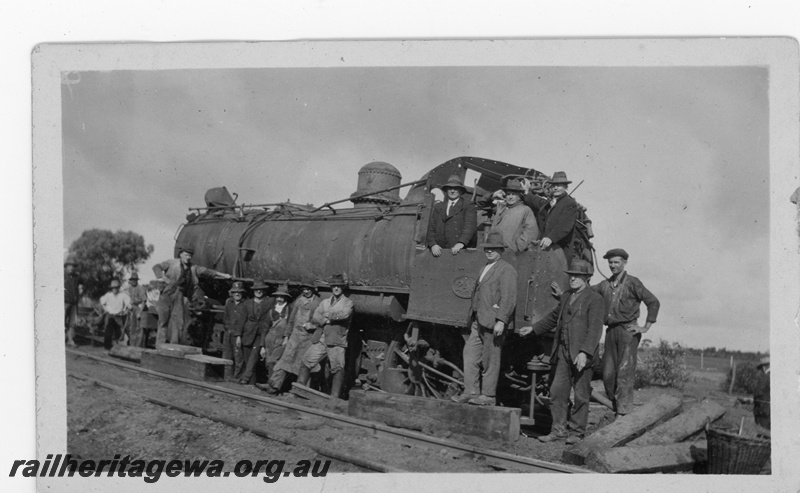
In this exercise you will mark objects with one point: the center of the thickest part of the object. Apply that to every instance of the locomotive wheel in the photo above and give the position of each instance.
(416, 368)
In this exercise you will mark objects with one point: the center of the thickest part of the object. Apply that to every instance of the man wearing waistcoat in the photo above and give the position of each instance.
(623, 294)
(491, 316)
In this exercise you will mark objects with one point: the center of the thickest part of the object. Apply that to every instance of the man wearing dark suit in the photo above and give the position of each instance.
(578, 325)
(453, 223)
(556, 215)
(491, 316)
(256, 326)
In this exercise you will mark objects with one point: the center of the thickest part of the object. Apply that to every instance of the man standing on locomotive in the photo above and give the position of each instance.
(578, 325)
(556, 215)
(491, 314)
(299, 340)
(453, 223)
(256, 326)
(623, 295)
(233, 321)
(181, 281)
(331, 320)
(515, 222)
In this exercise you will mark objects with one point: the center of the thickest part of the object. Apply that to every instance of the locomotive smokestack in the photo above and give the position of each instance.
(374, 177)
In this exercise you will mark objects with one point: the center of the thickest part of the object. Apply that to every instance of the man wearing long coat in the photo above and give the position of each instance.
(299, 339)
(578, 325)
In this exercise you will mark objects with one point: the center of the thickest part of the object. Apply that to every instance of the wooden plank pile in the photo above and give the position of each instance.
(424, 414)
(186, 362)
(652, 438)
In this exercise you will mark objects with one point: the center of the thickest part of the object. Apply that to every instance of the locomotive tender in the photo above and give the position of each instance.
(411, 309)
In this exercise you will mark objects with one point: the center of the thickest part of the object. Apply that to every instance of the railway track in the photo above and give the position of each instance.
(502, 459)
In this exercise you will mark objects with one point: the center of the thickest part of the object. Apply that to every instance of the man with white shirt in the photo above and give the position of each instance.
(116, 306)
(491, 317)
(453, 223)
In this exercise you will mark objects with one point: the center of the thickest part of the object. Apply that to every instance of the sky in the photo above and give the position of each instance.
(674, 161)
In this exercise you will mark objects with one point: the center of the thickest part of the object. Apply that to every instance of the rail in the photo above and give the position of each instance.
(378, 429)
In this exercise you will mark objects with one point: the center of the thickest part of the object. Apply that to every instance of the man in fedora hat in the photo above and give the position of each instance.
(515, 222)
(73, 290)
(556, 214)
(453, 223)
(116, 306)
(491, 316)
(623, 294)
(181, 283)
(256, 327)
(138, 296)
(331, 322)
(302, 331)
(278, 333)
(233, 322)
(578, 325)
(761, 395)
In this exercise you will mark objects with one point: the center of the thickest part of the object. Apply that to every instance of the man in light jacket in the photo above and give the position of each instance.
(491, 316)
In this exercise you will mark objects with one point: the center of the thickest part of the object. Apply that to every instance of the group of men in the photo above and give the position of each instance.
(522, 220)
(523, 217)
(121, 309)
(294, 338)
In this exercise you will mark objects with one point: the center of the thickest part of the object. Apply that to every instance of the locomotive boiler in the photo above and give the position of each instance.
(411, 309)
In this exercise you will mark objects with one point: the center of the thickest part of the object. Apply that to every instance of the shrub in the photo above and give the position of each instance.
(746, 377)
(663, 367)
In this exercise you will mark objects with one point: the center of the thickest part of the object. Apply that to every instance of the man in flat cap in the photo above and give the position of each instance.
(491, 317)
(556, 214)
(73, 290)
(181, 282)
(623, 294)
(578, 325)
(453, 223)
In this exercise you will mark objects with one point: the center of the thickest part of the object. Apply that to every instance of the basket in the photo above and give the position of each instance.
(729, 453)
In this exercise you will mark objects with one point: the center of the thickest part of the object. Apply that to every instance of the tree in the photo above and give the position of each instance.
(102, 256)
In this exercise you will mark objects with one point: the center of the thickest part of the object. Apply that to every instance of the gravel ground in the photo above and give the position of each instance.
(104, 422)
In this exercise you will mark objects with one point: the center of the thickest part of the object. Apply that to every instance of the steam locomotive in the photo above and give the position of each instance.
(411, 309)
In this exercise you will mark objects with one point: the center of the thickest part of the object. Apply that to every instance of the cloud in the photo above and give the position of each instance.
(674, 160)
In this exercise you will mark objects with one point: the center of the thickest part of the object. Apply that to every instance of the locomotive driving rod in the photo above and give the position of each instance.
(397, 187)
